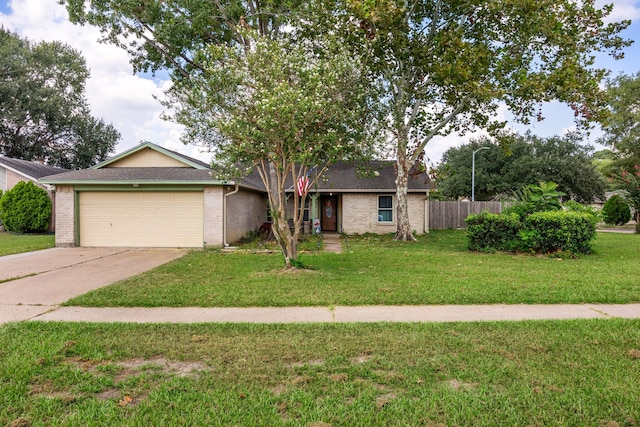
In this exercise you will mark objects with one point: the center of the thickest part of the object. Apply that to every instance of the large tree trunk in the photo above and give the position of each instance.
(287, 241)
(286, 238)
(403, 229)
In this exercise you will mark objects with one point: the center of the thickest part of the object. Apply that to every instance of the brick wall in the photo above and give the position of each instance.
(213, 205)
(14, 178)
(65, 216)
(3, 179)
(246, 211)
(360, 214)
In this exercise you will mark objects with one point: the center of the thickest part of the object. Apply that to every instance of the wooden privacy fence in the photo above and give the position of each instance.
(443, 215)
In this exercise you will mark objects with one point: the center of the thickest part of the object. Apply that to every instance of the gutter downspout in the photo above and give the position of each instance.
(224, 212)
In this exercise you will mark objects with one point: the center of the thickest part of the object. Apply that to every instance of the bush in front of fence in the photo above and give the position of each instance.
(561, 231)
(540, 232)
(490, 232)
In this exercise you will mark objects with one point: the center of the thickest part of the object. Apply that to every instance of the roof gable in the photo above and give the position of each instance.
(148, 155)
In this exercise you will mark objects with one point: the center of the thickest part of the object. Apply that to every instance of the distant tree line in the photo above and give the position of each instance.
(520, 161)
(44, 114)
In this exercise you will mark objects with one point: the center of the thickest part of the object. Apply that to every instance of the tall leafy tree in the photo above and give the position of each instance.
(243, 87)
(167, 34)
(448, 65)
(528, 161)
(43, 111)
(622, 127)
(278, 108)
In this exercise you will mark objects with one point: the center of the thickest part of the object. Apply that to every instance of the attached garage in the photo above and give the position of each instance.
(141, 219)
(149, 196)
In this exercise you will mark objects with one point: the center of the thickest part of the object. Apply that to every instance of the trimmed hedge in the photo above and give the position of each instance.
(541, 232)
(25, 208)
(489, 232)
(560, 231)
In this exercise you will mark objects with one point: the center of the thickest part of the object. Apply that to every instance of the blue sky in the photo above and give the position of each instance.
(127, 100)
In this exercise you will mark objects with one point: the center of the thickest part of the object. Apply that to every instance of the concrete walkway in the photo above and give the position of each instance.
(447, 313)
(332, 243)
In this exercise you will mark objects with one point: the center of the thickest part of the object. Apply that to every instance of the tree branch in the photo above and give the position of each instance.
(444, 122)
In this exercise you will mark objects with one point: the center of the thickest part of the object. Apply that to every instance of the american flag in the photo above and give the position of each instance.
(303, 185)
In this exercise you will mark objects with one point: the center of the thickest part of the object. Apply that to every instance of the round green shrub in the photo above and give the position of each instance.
(616, 211)
(25, 208)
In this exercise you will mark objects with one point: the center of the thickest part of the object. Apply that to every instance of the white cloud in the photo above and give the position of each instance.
(114, 93)
(622, 9)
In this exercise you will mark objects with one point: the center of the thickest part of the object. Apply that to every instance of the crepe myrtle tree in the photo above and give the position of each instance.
(281, 109)
(241, 88)
(630, 183)
(449, 65)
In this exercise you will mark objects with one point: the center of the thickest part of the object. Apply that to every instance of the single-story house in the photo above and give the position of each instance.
(13, 171)
(149, 196)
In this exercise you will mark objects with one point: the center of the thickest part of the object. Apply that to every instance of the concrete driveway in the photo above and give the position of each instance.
(44, 279)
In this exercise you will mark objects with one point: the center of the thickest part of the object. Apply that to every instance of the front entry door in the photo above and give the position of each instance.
(329, 215)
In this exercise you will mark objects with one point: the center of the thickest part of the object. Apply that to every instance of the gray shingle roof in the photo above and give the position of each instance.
(131, 174)
(378, 175)
(191, 159)
(31, 169)
(142, 175)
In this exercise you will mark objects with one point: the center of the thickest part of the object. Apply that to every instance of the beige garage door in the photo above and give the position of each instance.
(143, 219)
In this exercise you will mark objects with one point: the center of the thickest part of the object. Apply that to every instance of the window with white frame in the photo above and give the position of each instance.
(385, 208)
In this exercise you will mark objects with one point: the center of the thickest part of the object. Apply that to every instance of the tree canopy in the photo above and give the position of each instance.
(43, 111)
(244, 85)
(622, 126)
(529, 161)
(448, 65)
(272, 106)
(168, 34)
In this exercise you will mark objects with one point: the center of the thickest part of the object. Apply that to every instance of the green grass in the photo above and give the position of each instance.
(378, 271)
(17, 243)
(574, 373)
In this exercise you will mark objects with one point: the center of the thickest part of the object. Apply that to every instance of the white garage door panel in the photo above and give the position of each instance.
(153, 219)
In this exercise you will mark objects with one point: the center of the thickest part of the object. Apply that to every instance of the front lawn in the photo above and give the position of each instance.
(17, 243)
(378, 271)
(573, 373)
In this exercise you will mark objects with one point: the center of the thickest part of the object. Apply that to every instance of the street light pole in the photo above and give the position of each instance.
(473, 173)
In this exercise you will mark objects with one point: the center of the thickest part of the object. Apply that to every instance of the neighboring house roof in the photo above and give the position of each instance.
(31, 170)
